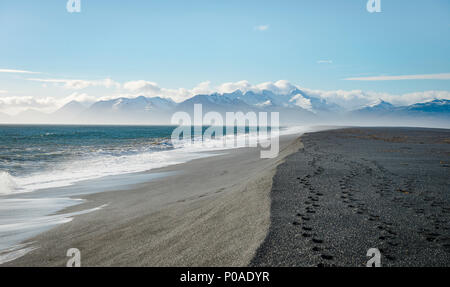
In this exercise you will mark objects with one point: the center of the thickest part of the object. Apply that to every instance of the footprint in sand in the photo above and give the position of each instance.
(327, 257)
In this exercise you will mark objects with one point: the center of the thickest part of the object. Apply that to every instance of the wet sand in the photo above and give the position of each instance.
(353, 189)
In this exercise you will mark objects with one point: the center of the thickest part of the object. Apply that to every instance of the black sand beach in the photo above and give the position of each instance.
(324, 201)
(353, 189)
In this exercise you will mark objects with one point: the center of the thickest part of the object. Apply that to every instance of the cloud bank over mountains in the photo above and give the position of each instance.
(144, 102)
(81, 91)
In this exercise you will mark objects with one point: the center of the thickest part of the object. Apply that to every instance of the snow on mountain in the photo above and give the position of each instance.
(293, 99)
(430, 108)
(138, 104)
(294, 107)
(215, 102)
(435, 106)
(139, 110)
(378, 106)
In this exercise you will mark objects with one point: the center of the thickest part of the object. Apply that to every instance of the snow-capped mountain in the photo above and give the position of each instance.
(290, 112)
(139, 104)
(319, 105)
(214, 102)
(293, 107)
(379, 106)
(130, 110)
(434, 113)
(295, 99)
(254, 99)
(435, 107)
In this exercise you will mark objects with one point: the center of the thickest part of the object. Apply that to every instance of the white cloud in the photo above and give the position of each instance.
(403, 77)
(78, 97)
(348, 99)
(141, 85)
(357, 98)
(16, 104)
(152, 89)
(202, 88)
(11, 71)
(262, 28)
(230, 87)
(281, 87)
(302, 102)
(417, 97)
(3, 92)
(78, 84)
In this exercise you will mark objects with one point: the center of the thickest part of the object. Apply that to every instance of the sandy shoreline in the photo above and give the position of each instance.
(211, 212)
(324, 201)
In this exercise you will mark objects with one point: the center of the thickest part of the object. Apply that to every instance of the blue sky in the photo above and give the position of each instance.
(179, 44)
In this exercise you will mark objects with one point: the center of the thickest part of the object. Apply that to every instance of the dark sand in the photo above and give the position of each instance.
(353, 189)
(347, 191)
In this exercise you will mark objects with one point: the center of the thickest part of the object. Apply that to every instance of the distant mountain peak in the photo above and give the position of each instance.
(435, 106)
(379, 103)
(440, 101)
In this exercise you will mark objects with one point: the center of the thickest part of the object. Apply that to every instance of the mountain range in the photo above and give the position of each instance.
(295, 107)
(434, 107)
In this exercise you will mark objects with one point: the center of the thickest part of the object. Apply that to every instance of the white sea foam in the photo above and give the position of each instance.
(41, 213)
(92, 167)
(15, 252)
(11, 234)
(7, 183)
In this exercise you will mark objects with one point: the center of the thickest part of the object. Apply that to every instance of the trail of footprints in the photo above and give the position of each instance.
(312, 203)
(387, 236)
(384, 188)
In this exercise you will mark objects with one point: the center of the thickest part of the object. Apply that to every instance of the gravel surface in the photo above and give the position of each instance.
(353, 189)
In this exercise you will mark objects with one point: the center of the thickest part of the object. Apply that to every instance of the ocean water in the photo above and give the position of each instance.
(36, 157)
(43, 168)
